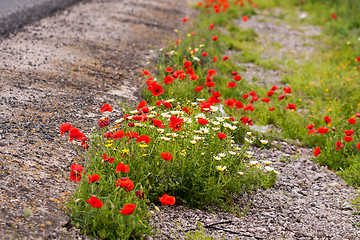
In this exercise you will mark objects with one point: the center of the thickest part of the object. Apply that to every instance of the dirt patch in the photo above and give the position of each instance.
(62, 69)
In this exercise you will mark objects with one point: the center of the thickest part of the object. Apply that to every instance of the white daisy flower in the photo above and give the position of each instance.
(232, 153)
(221, 168)
(217, 158)
(200, 115)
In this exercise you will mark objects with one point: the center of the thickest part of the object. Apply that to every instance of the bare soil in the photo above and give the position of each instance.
(63, 69)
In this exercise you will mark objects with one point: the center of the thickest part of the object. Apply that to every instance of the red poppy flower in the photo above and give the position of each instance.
(327, 119)
(145, 72)
(168, 79)
(221, 135)
(128, 209)
(210, 84)
(333, 16)
(186, 109)
(311, 126)
(230, 103)
(239, 105)
(76, 171)
(245, 18)
(140, 194)
(76, 134)
(205, 106)
(351, 120)
(167, 104)
(175, 123)
(157, 89)
(248, 107)
(185, 19)
(317, 151)
(121, 167)
(214, 38)
(291, 106)
(281, 96)
(166, 156)
(349, 132)
(143, 138)
(225, 58)
(272, 109)
(211, 73)
(193, 77)
(214, 59)
(202, 121)
(231, 85)
(245, 120)
(167, 200)
(338, 145)
(103, 122)
(253, 93)
(322, 130)
(142, 104)
(106, 107)
(159, 102)
(265, 100)
(94, 178)
(150, 83)
(270, 93)
(254, 99)
(204, 54)
(358, 146)
(187, 64)
(287, 90)
(245, 96)
(211, 27)
(109, 159)
(158, 123)
(95, 202)
(138, 118)
(274, 88)
(199, 88)
(65, 127)
(145, 110)
(169, 69)
(125, 183)
(131, 135)
(312, 131)
(348, 139)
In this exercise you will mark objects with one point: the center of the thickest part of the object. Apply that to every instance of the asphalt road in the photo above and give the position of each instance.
(16, 13)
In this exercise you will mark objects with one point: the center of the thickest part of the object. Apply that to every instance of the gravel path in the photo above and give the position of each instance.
(63, 69)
